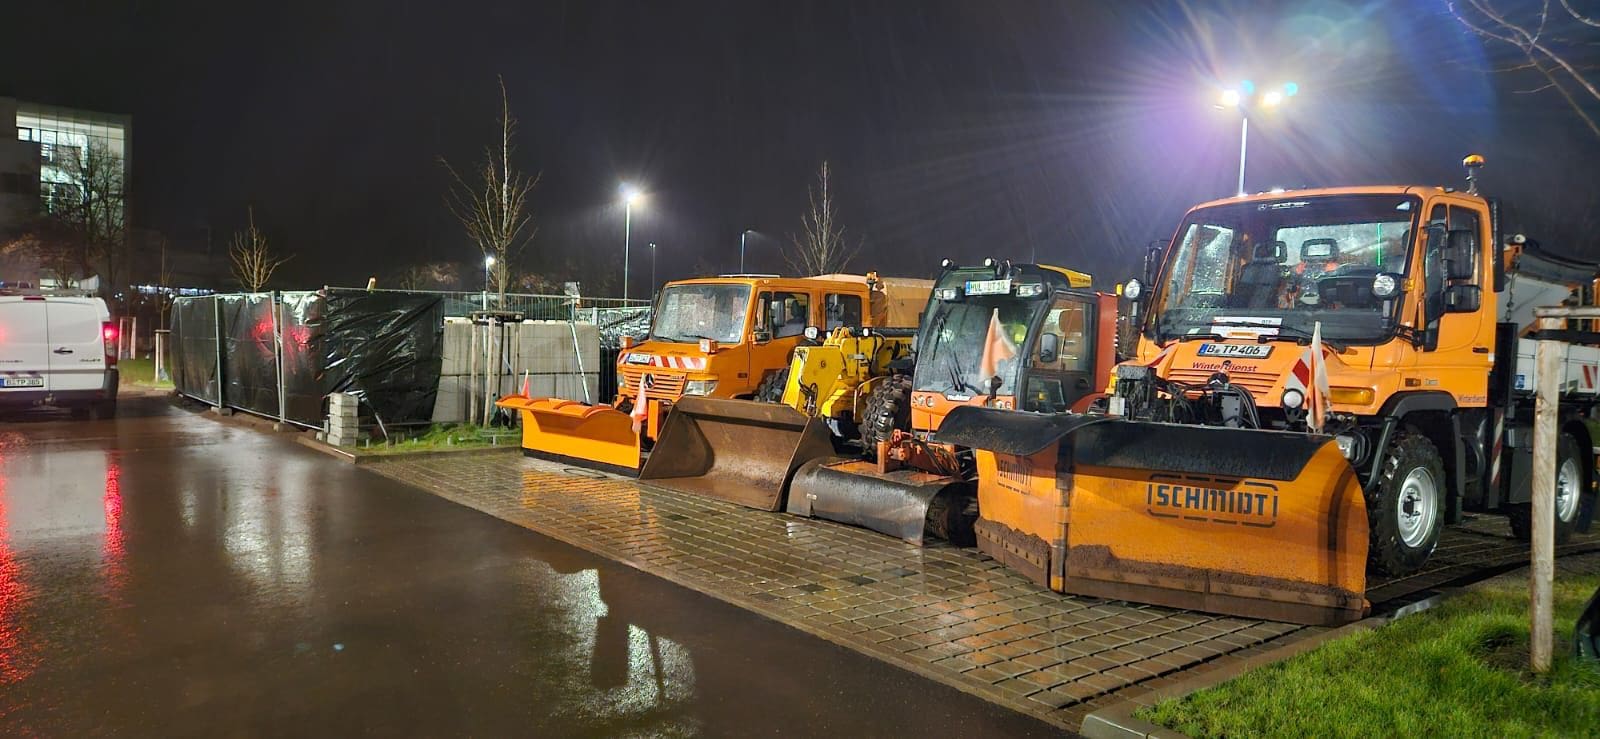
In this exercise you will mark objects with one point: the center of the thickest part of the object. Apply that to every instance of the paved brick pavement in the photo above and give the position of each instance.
(949, 614)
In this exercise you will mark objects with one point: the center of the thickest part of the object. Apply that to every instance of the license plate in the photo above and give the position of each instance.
(988, 287)
(1245, 351)
(22, 382)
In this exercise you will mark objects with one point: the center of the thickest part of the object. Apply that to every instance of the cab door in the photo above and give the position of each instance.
(780, 325)
(1061, 361)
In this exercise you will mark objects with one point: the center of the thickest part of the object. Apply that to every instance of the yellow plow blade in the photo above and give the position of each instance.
(568, 431)
(741, 451)
(1262, 524)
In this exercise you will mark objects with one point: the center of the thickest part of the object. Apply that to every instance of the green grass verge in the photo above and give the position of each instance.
(139, 372)
(1457, 670)
(443, 437)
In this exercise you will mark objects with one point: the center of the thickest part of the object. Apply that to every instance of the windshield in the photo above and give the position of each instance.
(1280, 267)
(689, 313)
(953, 362)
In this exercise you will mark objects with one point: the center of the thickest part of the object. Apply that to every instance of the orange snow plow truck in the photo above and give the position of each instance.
(1324, 380)
(715, 337)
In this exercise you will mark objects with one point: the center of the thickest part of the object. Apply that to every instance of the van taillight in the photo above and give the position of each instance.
(108, 332)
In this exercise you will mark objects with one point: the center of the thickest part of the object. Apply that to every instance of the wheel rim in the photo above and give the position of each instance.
(1567, 480)
(1417, 507)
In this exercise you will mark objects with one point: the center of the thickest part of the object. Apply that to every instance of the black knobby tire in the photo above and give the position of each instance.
(1389, 553)
(888, 408)
(951, 518)
(771, 388)
(1521, 514)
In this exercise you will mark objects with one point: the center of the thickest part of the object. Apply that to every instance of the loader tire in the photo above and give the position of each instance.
(888, 408)
(1405, 509)
(951, 518)
(771, 388)
(1569, 482)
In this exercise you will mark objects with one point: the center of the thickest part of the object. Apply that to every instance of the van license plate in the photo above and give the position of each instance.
(22, 382)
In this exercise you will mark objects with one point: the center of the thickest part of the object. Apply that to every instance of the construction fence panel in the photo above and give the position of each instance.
(194, 348)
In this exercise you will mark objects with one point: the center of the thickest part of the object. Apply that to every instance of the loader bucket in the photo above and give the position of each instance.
(741, 451)
(568, 431)
(904, 503)
(1262, 524)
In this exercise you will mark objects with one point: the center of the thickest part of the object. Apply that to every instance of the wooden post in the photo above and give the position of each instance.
(1549, 360)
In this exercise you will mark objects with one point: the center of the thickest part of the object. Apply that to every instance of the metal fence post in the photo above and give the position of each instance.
(277, 351)
(216, 311)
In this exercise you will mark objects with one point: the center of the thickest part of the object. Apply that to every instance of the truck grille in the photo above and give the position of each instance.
(667, 385)
(1258, 383)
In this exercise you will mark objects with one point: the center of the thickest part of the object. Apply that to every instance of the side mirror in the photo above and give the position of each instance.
(813, 333)
(761, 335)
(1462, 298)
(1461, 254)
(1049, 347)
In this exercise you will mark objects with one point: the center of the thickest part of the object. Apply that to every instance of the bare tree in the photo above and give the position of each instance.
(820, 248)
(493, 207)
(49, 245)
(1551, 45)
(253, 260)
(86, 216)
(426, 276)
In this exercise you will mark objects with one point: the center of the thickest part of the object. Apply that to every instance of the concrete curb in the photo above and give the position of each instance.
(307, 440)
(1117, 721)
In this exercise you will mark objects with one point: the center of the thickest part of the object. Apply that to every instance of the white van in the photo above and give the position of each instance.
(58, 349)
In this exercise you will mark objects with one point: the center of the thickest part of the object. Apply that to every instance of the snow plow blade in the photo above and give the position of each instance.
(1262, 524)
(741, 451)
(598, 436)
(903, 503)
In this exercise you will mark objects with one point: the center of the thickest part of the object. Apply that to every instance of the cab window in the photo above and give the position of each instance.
(843, 311)
(785, 314)
(1068, 321)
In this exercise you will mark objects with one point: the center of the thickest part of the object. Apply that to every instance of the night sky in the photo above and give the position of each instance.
(1078, 131)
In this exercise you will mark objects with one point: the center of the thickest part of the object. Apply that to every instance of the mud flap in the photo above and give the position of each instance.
(896, 503)
(1262, 524)
(741, 451)
(597, 436)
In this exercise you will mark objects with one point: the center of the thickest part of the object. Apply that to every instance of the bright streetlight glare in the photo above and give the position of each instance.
(1272, 98)
(488, 261)
(630, 194)
(1231, 98)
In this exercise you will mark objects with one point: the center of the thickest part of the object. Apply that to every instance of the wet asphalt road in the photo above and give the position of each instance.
(167, 574)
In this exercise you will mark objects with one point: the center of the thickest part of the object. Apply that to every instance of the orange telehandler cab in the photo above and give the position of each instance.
(1324, 379)
(715, 337)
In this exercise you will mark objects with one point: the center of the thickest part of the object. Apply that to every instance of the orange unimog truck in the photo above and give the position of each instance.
(717, 337)
(1324, 379)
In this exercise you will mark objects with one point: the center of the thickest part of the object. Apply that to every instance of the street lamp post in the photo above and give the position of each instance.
(630, 195)
(652, 268)
(742, 234)
(1244, 99)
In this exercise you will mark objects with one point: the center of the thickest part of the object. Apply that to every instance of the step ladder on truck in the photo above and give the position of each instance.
(1324, 379)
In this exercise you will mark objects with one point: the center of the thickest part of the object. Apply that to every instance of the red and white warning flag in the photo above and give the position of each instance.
(641, 405)
(1318, 397)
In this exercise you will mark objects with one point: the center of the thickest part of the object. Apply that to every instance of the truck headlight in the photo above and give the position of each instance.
(1293, 398)
(1132, 290)
(699, 387)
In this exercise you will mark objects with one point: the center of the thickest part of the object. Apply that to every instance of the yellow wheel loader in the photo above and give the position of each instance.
(998, 335)
(1324, 379)
(710, 338)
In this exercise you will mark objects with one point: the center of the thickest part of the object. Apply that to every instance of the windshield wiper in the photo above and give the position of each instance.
(1300, 336)
(1207, 335)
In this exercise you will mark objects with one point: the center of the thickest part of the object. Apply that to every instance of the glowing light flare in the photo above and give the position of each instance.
(1231, 98)
(631, 195)
(1272, 99)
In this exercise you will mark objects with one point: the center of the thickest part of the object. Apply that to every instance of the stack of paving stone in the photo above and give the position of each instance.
(343, 426)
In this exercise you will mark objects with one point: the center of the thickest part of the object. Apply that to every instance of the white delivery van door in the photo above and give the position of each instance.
(77, 351)
(24, 345)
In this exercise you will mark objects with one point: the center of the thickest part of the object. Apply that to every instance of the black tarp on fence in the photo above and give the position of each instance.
(382, 346)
